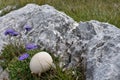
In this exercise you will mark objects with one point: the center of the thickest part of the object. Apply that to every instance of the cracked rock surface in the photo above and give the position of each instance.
(97, 42)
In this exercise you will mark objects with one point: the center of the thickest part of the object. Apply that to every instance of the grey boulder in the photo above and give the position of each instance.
(103, 53)
(95, 43)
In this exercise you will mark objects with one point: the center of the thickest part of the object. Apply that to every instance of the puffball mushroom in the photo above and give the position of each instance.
(41, 62)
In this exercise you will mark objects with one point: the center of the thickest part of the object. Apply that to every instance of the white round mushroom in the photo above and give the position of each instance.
(41, 62)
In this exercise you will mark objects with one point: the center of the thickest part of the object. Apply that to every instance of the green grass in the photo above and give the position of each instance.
(80, 10)
(19, 70)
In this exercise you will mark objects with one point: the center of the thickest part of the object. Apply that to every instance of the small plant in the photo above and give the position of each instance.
(16, 57)
(18, 68)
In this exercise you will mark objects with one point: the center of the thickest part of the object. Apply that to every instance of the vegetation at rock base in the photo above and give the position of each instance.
(79, 10)
(15, 58)
(19, 70)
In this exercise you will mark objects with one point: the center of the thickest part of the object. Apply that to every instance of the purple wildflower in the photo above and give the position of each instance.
(11, 32)
(14, 33)
(31, 46)
(27, 27)
(24, 56)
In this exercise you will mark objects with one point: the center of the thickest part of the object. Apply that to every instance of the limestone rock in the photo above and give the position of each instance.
(103, 62)
(48, 24)
(4, 75)
(102, 49)
(98, 43)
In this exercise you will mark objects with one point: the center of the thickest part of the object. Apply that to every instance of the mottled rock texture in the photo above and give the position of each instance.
(103, 54)
(96, 42)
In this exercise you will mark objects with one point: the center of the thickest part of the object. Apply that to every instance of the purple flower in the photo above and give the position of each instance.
(27, 27)
(31, 46)
(14, 33)
(24, 56)
(11, 32)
